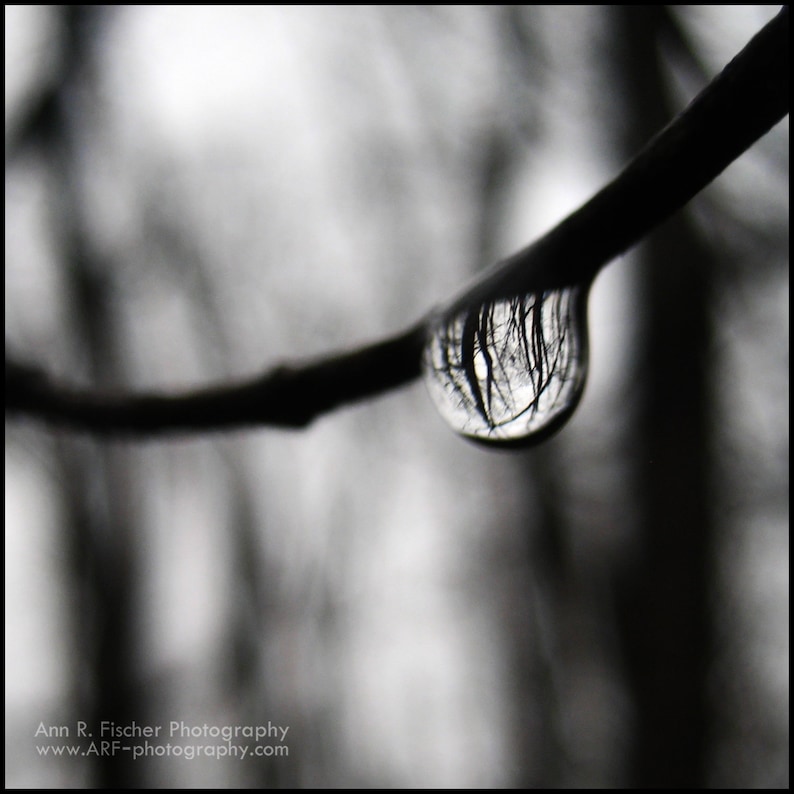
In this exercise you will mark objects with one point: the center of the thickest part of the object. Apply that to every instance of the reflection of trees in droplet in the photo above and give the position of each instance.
(510, 370)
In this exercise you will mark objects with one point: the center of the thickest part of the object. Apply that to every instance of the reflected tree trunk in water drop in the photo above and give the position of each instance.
(510, 371)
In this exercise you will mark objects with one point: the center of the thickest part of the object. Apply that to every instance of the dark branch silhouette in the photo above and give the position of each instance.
(287, 396)
(736, 109)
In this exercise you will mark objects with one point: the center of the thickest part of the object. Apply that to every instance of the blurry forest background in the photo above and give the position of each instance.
(195, 193)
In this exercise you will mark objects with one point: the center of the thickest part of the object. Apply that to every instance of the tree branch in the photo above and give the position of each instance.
(288, 396)
(737, 108)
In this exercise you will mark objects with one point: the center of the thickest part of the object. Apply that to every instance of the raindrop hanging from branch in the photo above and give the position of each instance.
(511, 369)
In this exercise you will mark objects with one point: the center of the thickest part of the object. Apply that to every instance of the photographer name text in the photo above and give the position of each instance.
(174, 729)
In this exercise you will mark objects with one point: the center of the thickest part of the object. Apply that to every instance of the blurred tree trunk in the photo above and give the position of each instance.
(98, 492)
(667, 626)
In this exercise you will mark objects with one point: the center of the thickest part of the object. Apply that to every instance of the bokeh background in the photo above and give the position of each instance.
(196, 193)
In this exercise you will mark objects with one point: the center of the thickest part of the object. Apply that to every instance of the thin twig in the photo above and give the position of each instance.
(288, 396)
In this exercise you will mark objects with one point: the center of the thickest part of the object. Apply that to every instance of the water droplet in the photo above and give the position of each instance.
(510, 371)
